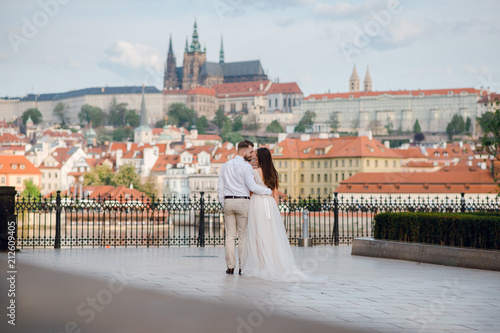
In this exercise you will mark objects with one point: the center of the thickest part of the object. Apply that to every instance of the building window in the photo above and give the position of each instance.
(286, 176)
(312, 190)
(326, 191)
(319, 164)
(318, 191)
(312, 164)
(270, 103)
(222, 108)
(233, 107)
(326, 164)
(301, 178)
(319, 178)
(312, 178)
(367, 162)
(336, 163)
(244, 107)
(22, 166)
(301, 164)
(376, 163)
(357, 162)
(336, 177)
(393, 164)
(326, 177)
(50, 175)
(279, 163)
(284, 102)
(350, 163)
(276, 102)
(343, 163)
(14, 166)
(286, 192)
(301, 191)
(386, 163)
(342, 176)
(286, 164)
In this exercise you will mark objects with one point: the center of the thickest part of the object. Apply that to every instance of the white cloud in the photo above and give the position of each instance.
(133, 56)
(285, 21)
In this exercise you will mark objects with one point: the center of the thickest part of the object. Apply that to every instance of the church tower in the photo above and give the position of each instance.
(221, 56)
(194, 59)
(354, 81)
(170, 80)
(143, 133)
(367, 84)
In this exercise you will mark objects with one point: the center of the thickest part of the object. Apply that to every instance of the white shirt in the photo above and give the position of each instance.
(236, 179)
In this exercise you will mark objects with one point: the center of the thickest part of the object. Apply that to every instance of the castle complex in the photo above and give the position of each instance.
(197, 71)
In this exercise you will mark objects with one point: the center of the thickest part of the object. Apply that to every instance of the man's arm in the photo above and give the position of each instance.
(220, 186)
(252, 185)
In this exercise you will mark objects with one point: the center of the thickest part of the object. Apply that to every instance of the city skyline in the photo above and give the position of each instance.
(59, 45)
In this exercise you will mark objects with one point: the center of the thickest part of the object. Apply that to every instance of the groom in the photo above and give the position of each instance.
(235, 183)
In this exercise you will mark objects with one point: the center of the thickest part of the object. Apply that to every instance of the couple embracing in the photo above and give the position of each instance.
(250, 201)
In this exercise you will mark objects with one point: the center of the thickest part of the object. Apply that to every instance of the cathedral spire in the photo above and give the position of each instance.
(186, 49)
(354, 81)
(367, 84)
(221, 56)
(170, 50)
(170, 79)
(195, 44)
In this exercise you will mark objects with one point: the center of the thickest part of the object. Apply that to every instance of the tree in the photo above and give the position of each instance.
(60, 113)
(468, 124)
(132, 118)
(126, 175)
(99, 175)
(389, 126)
(117, 113)
(180, 115)
(149, 187)
(456, 126)
(490, 124)
(31, 190)
(123, 134)
(416, 127)
(228, 127)
(334, 122)
(220, 118)
(92, 114)
(35, 115)
(202, 124)
(232, 137)
(274, 127)
(238, 124)
(419, 137)
(306, 122)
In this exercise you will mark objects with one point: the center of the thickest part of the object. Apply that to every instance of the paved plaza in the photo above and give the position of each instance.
(375, 295)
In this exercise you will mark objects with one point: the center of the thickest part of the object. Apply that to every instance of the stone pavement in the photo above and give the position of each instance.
(376, 295)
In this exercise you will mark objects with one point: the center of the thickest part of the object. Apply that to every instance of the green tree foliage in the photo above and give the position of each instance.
(100, 175)
(202, 125)
(238, 124)
(160, 123)
(60, 113)
(416, 127)
(419, 137)
(132, 118)
(389, 126)
(220, 118)
(123, 134)
(117, 112)
(31, 191)
(490, 124)
(468, 124)
(306, 122)
(334, 122)
(35, 115)
(232, 137)
(456, 126)
(126, 175)
(180, 115)
(274, 127)
(92, 114)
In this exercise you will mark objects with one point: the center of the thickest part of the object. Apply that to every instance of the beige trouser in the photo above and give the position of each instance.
(235, 219)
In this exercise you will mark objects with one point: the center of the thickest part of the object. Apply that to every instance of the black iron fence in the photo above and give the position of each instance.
(198, 221)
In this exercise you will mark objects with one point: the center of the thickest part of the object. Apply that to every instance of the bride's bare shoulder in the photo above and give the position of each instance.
(259, 170)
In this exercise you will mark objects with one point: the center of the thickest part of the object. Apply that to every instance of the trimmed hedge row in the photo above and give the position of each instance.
(477, 230)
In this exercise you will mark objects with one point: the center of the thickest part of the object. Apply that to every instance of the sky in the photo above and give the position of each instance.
(49, 46)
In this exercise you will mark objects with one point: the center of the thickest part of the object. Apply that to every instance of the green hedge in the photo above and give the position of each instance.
(478, 230)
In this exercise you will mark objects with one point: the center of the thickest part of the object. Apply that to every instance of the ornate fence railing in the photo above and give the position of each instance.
(198, 221)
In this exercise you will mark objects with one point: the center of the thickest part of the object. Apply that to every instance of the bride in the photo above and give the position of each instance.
(267, 252)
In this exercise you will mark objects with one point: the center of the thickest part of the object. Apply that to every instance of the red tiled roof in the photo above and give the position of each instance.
(209, 137)
(7, 137)
(334, 147)
(413, 164)
(157, 131)
(8, 162)
(285, 88)
(238, 89)
(420, 182)
(175, 91)
(411, 152)
(202, 91)
(430, 92)
(163, 161)
(489, 98)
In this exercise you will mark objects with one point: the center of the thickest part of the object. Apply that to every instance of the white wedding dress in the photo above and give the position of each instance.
(267, 253)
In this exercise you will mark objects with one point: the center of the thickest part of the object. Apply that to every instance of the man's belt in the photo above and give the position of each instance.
(234, 197)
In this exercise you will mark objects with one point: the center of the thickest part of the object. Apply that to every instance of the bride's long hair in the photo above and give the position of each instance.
(269, 172)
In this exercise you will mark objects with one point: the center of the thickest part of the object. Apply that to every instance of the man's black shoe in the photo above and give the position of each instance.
(230, 271)
(240, 272)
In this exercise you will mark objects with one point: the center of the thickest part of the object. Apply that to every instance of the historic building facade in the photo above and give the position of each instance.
(397, 110)
(197, 71)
